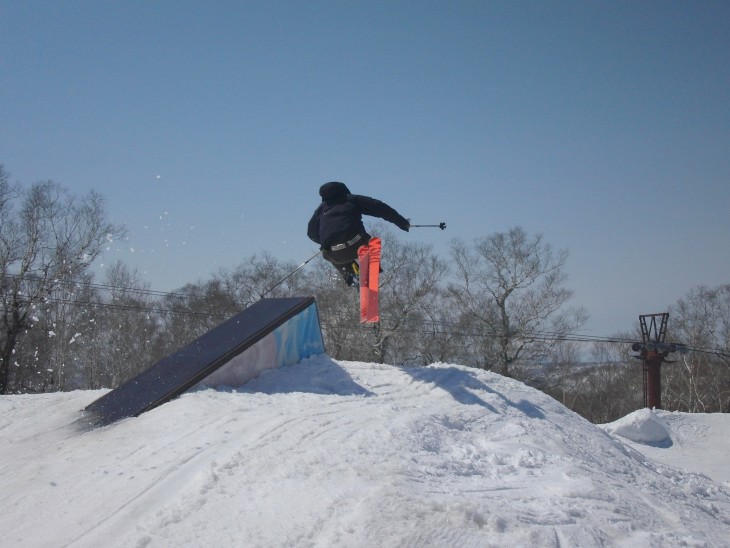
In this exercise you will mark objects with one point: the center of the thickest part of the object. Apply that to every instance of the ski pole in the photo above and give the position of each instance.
(442, 226)
(285, 278)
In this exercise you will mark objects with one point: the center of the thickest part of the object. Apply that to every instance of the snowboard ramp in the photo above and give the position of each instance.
(270, 333)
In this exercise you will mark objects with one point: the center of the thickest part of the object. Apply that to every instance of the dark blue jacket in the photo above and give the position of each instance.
(338, 218)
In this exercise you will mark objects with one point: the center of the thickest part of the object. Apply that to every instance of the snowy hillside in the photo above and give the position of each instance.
(331, 453)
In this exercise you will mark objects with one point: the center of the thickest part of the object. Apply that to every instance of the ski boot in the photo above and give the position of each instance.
(351, 274)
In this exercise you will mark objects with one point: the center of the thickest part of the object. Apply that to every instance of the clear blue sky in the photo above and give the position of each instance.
(209, 126)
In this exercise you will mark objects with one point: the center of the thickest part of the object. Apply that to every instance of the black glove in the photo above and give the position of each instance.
(404, 224)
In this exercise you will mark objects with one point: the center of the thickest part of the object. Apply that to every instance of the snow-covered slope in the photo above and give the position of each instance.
(329, 453)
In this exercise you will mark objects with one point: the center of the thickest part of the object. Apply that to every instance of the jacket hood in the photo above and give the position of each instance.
(333, 191)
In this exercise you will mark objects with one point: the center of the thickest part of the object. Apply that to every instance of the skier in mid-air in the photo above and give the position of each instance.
(338, 228)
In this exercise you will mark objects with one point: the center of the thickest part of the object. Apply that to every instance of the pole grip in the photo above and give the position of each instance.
(442, 226)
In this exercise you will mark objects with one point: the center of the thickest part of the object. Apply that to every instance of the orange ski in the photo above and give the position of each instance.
(369, 258)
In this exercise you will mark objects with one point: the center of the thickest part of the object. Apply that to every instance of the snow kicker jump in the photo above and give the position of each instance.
(270, 333)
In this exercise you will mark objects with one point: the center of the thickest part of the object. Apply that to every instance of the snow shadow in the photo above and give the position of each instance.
(461, 384)
(319, 375)
(662, 444)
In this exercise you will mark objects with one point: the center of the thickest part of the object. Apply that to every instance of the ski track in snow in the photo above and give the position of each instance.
(332, 453)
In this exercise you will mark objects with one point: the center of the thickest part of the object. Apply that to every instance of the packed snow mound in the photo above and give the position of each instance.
(642, 426)
(329, 453)
(698, 442)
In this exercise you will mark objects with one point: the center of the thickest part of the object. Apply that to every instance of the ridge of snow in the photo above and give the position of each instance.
(642, 426)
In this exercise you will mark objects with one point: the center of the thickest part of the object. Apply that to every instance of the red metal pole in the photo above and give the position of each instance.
(653, 332)
(653, 380)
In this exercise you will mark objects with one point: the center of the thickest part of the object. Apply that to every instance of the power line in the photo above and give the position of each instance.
(134, 290)
(535, 336)
(132, 308)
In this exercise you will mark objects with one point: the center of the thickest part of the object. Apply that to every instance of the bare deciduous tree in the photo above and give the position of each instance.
(47, 236)
(409, 295)
(700, 381)
(125, 330)
(510, 286)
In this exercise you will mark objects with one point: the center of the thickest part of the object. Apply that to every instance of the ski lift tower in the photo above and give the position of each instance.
(653, 352)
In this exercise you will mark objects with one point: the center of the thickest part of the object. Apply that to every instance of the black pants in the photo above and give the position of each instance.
(345, 259)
